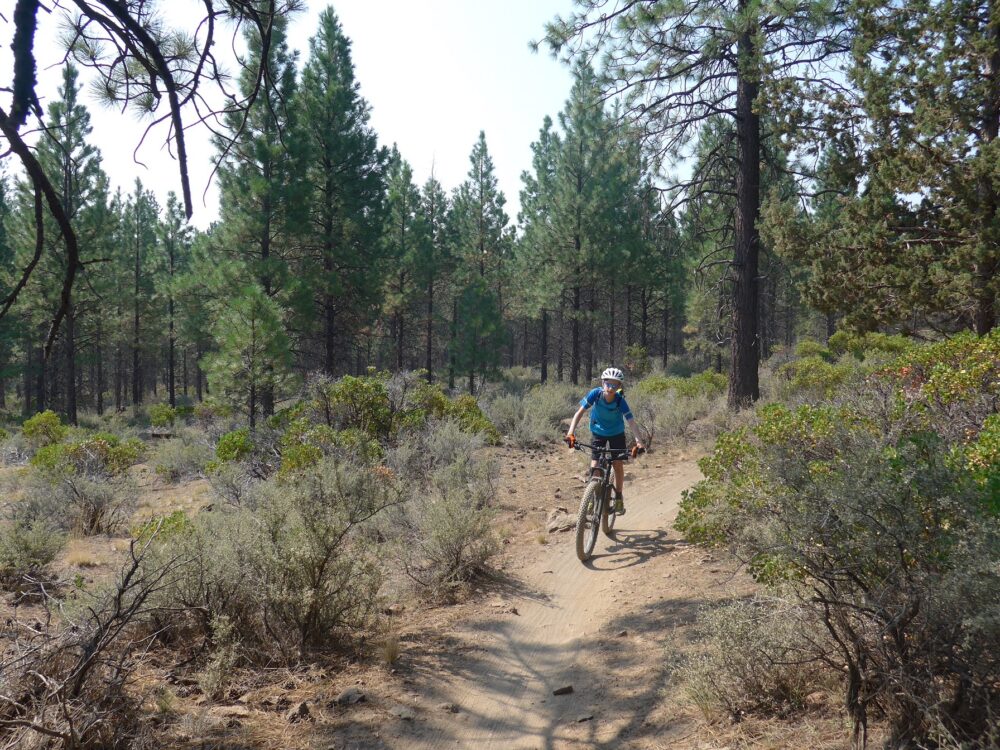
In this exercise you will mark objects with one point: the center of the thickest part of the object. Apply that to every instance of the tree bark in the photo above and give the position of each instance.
(743, 377)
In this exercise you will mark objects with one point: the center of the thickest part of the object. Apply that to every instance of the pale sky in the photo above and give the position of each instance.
(435, 73)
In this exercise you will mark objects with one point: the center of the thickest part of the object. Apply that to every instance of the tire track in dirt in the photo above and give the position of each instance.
(554, 626)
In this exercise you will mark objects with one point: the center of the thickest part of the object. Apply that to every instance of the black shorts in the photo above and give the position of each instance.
(615, 442)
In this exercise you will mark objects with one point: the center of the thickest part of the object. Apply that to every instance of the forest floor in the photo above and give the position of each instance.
(480, 672)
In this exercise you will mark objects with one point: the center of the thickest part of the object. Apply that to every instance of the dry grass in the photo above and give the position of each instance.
(87, 553)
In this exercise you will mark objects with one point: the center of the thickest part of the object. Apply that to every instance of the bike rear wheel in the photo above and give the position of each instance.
(588, 521)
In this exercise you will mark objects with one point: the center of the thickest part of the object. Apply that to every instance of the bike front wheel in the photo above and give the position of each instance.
(588, 521)
(608, 516)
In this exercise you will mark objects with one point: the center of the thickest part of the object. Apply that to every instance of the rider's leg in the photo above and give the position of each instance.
(619, 475)
(593, 466)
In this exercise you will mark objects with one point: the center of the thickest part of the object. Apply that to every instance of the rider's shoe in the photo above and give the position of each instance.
(619, 505)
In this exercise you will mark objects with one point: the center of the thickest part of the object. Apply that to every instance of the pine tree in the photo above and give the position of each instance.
(253, 354)
(262, 200)
(346, 175)
(406, 241)
(74, 167)
(175, 240)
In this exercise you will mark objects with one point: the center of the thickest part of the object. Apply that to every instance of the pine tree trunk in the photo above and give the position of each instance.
(184, 371)
(628, 315)
(40, 401)
(99, 367)
(69, 331)
(171, 356)
(453, 336)
(561, 327)
(429, 354)
(743, 378)
(136, 368)
(197, 374)
(119, 378)
(666, 333)
(545, 345)
(591, 348)
(611, 332)
(28, 370)
(574, 361)
(987, 260)
(644, 319)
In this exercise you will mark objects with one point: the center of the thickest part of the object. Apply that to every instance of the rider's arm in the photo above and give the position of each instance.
(576, 419)
(635, 430)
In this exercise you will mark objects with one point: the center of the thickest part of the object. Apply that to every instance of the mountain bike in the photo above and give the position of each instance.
(597, 507)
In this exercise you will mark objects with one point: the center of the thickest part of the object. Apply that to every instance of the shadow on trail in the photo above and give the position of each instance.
(610, 706)
(628, 547)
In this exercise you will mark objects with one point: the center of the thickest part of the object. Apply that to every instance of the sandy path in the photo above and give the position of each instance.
(559, 623)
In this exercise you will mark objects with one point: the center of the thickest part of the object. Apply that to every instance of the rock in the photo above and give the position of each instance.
(559, 520)
(564, 690)
(349, 697)
(816, 700)
(583, 718)
(621, 634)
(230, 712)
(449, 707)
(298, 712)
(403, 712)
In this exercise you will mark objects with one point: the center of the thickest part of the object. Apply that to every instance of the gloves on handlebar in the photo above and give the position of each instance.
(570, 440)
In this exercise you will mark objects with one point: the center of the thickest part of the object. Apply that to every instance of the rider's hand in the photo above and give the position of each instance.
(637, 449)
(570, 440)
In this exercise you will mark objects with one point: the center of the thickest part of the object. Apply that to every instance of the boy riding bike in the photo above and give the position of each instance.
(607, 424)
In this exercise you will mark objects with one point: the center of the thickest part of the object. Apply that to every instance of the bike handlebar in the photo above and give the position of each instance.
(577, 445)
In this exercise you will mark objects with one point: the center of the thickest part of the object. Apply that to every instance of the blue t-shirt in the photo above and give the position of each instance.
(607, 419)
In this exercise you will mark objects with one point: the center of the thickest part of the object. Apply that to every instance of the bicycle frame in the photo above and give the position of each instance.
(596, 508)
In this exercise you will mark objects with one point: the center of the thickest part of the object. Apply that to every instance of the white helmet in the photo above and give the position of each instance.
(613, 373)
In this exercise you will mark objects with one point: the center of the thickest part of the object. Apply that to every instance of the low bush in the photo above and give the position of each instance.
(27, 550)
(290, 569)
(78, 503)
(532, 419)
(182, 457)
(14, 450)
(761, 657)
(443, 535)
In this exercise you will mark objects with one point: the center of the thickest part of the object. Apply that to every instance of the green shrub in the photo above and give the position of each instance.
(706, 384)
(465, 410)
(862, 346)
(162, 415)
(163, 527)
(27, 549)
(813, 377)
(234, 446)
(44, 428)
(637, 361)
(810, 348)
(98, 455)
(862, 513)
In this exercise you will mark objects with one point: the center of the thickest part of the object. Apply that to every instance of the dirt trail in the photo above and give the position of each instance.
(560, 622)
